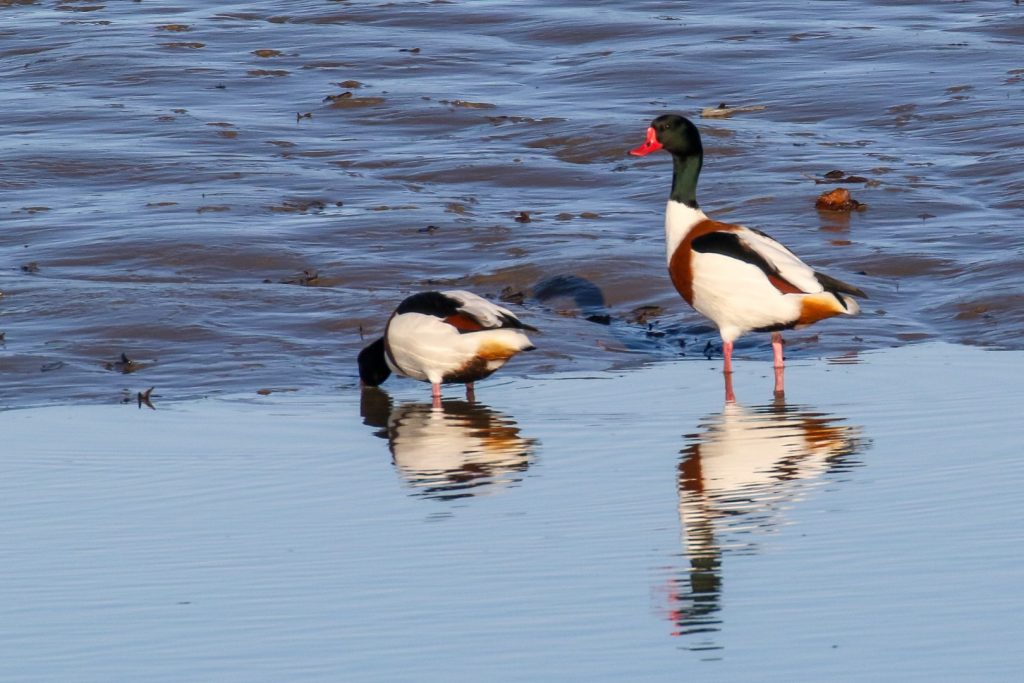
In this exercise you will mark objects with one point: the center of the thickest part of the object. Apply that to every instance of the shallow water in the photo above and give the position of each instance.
(165, 195)
(861, 529)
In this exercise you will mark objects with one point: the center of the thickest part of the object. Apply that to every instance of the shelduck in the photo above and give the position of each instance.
(451, 337)
(738, 277)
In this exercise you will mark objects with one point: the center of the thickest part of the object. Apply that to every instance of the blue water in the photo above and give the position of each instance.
(862, 529)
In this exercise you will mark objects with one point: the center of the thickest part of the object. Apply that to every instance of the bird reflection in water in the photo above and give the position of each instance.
(736, 478)
(459, 450)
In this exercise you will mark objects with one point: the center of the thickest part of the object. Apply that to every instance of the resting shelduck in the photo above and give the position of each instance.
(453, 337)
(739, 278)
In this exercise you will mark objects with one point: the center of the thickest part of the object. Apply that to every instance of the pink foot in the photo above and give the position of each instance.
(435, 393)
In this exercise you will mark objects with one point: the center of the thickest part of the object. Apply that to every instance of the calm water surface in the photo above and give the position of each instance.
(592, 526)
(230, 193)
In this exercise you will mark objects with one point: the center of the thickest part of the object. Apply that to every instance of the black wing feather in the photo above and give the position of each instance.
(730, 244)
(838, 286)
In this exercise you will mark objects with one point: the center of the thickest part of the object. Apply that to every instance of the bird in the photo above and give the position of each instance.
(450, 337)
(740, 278)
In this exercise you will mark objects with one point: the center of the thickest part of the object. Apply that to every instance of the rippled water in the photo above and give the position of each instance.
(229, 194)
(599, 526)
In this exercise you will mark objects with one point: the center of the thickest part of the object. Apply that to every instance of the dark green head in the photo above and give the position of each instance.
(373, 368)
(675, 134)
(678, 136)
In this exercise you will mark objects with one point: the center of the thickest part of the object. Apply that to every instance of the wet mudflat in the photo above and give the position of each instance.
(207, 211)
(230, 193)
(597, 526)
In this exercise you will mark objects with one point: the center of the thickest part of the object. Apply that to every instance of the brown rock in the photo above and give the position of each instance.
(838, 199)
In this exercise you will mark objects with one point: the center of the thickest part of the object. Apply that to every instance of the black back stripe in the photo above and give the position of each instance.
(442, 306)
(730, 244)
(429, 303)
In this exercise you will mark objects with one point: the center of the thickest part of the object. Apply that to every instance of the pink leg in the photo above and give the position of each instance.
(779, 364)
(435, 393)
(779, 389)
(470, 392)
(730, 397)
(727, 355)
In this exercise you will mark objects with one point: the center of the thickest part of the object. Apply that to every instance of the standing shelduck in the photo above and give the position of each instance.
(739, 278)
(452, 337)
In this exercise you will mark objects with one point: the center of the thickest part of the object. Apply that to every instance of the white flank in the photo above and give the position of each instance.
(737, 296)
(426, 348)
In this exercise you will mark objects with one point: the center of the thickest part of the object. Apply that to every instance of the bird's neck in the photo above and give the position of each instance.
(685, 172)
(679, 220)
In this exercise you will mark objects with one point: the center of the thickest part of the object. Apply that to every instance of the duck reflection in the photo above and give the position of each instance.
(459, 450)
(737, 476)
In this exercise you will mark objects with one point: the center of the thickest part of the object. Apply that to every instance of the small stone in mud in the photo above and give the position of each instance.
(190, 46)
(267, 53)
(308, 278)
(335, 98)
(925, 216)
(413, 50)
(564, 217)
(213, 208)
(512, 295)
(32, 267)
(353, 102)
(838, 199)
(303, 115)
(429, 230)
(350, 84)
(600, 319)
(299, 206)
(469, 105)
(264, 392)
(651, 332)
(48, 367)
(176, 28)
(523, 217)
(643, 314)
(723, 111)
(590, 214)
(123, 364)
(838, 176)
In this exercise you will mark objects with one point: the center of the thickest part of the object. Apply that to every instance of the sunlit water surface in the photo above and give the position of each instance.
(598, 526)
